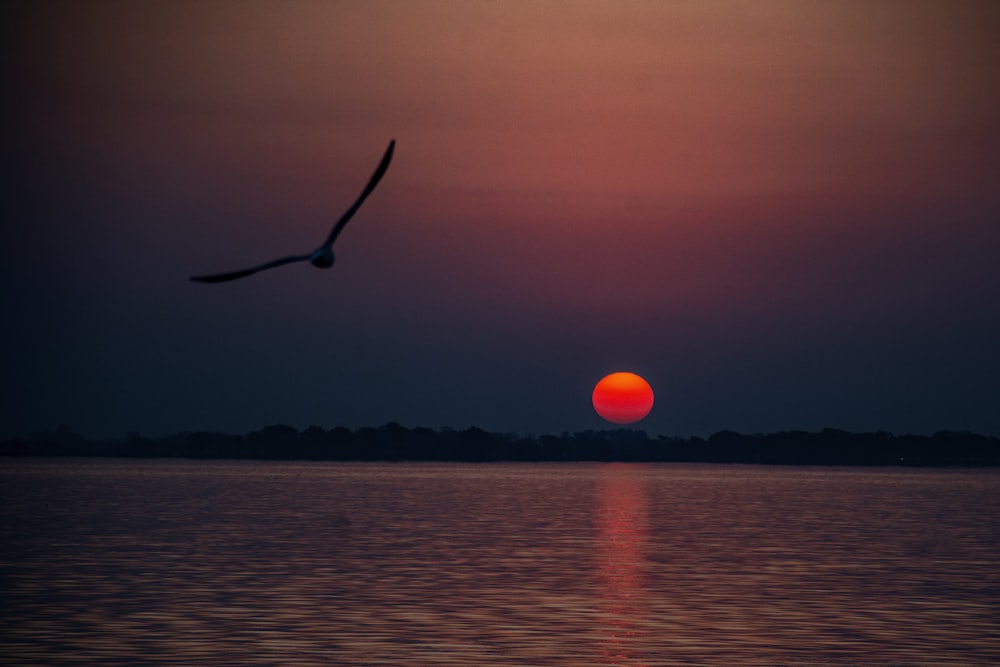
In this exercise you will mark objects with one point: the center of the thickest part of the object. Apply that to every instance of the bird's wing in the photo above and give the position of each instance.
(372, 182)
(233, 275)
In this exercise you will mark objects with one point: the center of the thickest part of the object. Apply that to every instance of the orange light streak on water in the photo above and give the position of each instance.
(621, 545)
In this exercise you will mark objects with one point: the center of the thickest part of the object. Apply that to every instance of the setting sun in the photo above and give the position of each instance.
(623, 398)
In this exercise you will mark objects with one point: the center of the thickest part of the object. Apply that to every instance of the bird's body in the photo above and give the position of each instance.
(322, 257)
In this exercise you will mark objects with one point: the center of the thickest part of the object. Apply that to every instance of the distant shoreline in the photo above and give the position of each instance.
(393, 442)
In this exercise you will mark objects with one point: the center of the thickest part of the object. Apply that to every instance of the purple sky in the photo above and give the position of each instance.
(784, 215)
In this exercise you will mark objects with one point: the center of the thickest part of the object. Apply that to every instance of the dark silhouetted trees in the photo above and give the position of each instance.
(395, 442)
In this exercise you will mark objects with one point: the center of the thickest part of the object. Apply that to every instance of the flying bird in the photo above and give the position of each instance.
(322, 257)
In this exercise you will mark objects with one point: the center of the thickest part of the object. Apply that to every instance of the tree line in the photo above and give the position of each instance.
(394, 442)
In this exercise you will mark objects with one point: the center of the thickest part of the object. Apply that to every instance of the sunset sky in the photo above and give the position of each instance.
(784, 215)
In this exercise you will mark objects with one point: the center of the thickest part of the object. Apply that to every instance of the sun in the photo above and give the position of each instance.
(623, 398)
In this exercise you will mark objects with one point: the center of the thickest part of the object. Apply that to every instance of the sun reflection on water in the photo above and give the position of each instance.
(622, 522)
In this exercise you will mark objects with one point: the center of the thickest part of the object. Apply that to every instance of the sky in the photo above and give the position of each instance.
(783, 215)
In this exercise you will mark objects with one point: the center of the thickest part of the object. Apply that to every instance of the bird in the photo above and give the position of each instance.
(322, 257)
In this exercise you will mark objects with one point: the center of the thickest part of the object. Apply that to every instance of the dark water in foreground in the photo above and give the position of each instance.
(245, 563)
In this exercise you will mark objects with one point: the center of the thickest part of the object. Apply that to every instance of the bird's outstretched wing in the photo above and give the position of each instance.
(233, 275)
(372, 182)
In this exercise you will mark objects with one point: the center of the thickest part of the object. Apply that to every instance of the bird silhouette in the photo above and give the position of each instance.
(322, 257)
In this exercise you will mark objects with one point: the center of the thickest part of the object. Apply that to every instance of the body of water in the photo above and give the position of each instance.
(115, 562)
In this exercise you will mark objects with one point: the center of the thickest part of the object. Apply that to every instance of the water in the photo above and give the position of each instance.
(246, 563)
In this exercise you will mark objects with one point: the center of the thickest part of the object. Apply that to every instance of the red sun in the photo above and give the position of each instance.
(623, 398)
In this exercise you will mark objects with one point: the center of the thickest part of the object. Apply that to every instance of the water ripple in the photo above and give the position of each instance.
(171, 562)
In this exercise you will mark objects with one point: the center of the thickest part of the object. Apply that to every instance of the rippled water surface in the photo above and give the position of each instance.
(240, 563)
